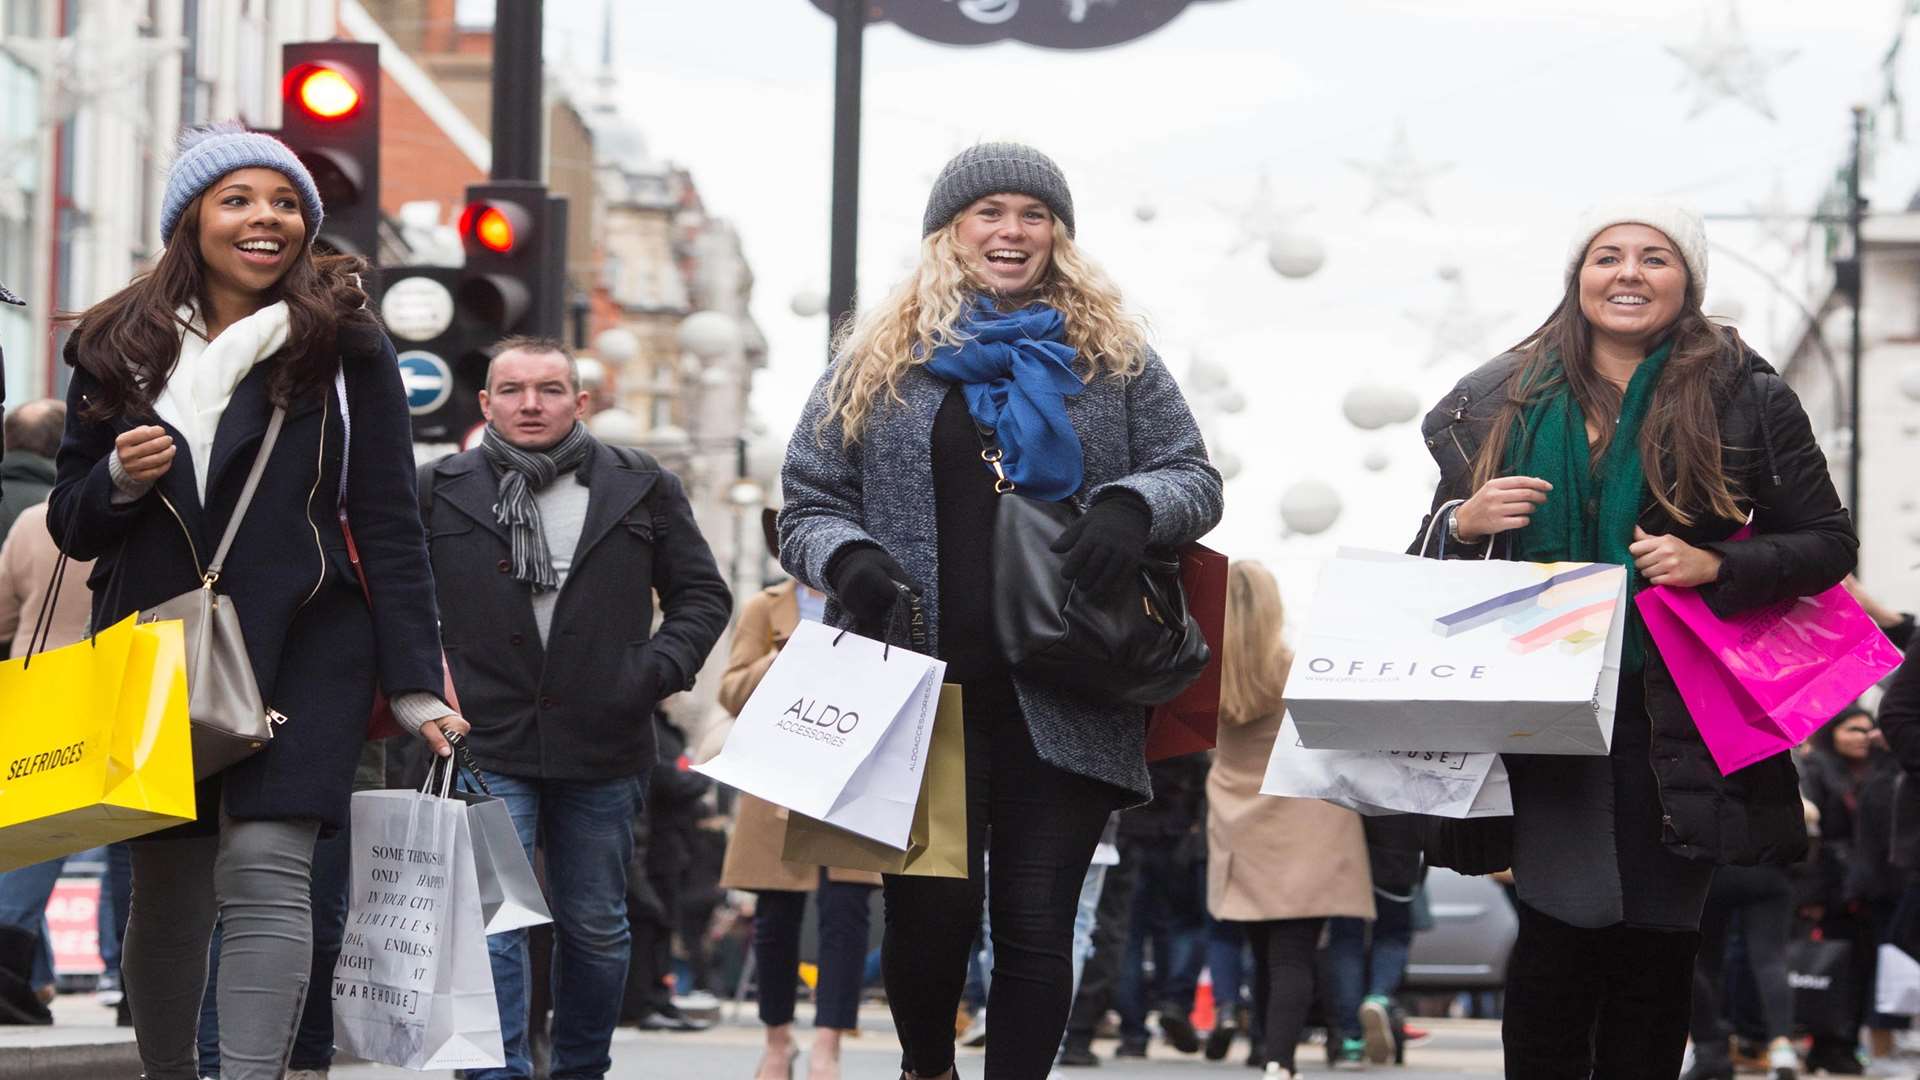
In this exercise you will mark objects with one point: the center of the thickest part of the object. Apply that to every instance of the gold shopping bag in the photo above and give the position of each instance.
(937, 844)
(94, 745)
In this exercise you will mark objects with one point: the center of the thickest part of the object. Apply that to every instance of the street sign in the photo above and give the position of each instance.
(416, 308)
(1052, 24)
(428, 379)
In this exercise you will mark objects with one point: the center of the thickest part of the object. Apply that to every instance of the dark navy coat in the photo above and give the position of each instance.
(316, 649)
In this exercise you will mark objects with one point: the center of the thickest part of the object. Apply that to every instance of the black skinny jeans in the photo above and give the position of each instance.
(1052, 821)
(1763, 898)
(1610, 1004)
(777, 915)
(1283, 974)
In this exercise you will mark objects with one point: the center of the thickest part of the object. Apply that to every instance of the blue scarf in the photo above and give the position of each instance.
(1016, 370)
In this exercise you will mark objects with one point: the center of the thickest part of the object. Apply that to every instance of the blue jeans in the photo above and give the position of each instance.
(23, 902)
(1354, 975)
(1226, 965)
(116, 893)
(585, 830)
(1170, 909)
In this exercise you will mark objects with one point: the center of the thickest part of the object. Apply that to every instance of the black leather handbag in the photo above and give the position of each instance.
(1135, 646)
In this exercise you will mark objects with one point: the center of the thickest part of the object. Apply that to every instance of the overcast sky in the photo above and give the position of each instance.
(1534, 108)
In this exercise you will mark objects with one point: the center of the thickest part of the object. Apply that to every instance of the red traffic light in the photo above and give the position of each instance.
(497, 227)
(322, 92)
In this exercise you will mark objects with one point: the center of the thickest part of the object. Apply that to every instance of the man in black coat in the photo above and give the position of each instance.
(548, 550)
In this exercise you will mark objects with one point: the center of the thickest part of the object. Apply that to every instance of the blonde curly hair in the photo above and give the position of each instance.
(873, 352)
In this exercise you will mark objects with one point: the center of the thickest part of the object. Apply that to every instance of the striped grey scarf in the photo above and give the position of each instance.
(523, 472)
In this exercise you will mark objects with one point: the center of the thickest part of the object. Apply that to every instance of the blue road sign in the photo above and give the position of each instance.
(428, 379)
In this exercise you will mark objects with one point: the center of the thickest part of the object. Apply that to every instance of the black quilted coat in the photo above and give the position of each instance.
(1803, 544)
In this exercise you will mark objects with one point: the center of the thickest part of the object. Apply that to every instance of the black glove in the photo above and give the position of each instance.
(1106, 545)
(864, 581)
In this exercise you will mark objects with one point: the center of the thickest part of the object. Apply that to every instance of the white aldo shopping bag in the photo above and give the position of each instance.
(1444, 783)
(1403, 653)
(838, 730)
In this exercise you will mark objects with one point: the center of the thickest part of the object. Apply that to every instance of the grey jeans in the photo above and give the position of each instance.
(255, 877)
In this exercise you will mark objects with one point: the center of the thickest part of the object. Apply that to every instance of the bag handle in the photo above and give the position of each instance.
(246, 495)
(460, 761)
(43, 621)
(1445, 512)
(916, 622)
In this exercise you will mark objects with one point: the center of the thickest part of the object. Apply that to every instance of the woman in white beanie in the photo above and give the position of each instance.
(1630, 429)
(245, 346)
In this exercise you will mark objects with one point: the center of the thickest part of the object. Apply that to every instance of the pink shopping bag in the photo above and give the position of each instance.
(1762, 681)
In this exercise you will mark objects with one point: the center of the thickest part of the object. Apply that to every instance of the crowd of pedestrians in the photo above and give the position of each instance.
(566, 584)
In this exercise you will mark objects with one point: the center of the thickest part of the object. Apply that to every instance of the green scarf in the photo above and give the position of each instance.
(1590, 514)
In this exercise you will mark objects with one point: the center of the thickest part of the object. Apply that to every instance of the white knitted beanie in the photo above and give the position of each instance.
(1681, 223)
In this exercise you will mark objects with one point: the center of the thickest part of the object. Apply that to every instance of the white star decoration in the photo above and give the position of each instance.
(1723, 65)
(1400, 177)
(1460, 329)
(1255, 221)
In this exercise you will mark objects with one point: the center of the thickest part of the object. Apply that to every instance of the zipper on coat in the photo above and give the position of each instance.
(319, 461)
(192, 549)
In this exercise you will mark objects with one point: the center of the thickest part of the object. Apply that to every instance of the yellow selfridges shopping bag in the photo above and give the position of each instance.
(94, 745)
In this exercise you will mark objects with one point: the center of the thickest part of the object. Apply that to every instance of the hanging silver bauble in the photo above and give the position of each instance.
(1309, 508)
(1910, 384)
(1377, 460)
(1294, 254)
(710, 334)
(1146, 212)
(616, 426)
(617, 345)
(1231, 401)
(1207, 375)
(1371, 406)
(808, 302)
(1227, 462)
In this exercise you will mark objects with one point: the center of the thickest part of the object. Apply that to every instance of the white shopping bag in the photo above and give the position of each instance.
(1402, 653)
(837, 730)
(1896, 983)
(413, 986)
(1446, 783)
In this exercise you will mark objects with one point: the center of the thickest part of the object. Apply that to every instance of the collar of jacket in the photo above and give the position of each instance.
(24, 465)
(468, 482)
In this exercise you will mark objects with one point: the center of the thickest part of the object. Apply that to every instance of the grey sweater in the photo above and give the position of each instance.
(1136, 434)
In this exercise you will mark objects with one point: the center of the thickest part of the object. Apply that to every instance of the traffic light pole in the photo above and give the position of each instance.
(518, 96)
(850, 23)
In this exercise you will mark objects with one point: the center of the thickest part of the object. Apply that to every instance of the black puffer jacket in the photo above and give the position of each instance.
(1803, 544)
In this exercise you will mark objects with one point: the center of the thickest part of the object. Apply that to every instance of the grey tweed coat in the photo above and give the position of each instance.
(1136, 434)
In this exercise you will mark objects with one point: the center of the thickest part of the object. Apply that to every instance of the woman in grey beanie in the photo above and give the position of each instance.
(1630, 429)
(1005, 325)
(243, 341)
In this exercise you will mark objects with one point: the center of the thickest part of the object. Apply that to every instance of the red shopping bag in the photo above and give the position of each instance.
(1188, 723)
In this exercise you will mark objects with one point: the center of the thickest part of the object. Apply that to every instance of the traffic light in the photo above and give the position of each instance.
(330, 117)
(515, 238)
(441, 348)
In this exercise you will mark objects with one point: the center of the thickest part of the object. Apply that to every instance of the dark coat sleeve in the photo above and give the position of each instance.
(81, 513)
(382, 506)
(1171, 474)
(693, 596)
(1899, 717)
(1803, 540)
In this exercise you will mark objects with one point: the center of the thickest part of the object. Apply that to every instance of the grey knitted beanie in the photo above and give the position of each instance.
(211, 152)
(990, 168)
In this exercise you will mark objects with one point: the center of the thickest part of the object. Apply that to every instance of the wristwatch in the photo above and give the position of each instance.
(1453, 526)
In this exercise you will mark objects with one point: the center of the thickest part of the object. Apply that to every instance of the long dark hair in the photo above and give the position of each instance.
(1682, 424)
(130, 341)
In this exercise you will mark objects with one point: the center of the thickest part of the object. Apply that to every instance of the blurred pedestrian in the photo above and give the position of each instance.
(656, 883)
(1004, 323)
(31, 432)
(551, 551)
(176, 384)
(1848, 775)
(1167, 839)
(1630, 429)
(1366, 961)
(843, 898)
(1277, 867)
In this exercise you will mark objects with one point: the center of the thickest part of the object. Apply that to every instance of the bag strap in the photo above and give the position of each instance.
(43, 622)
(246, 493)
(992, 453)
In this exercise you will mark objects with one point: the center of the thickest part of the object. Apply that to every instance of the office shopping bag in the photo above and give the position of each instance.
(1759, 683)
(1444, 783)
(1190, 723)
(94, 746)
(937, 842)
(835, 731)
(413, 986)
(1403, 653)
